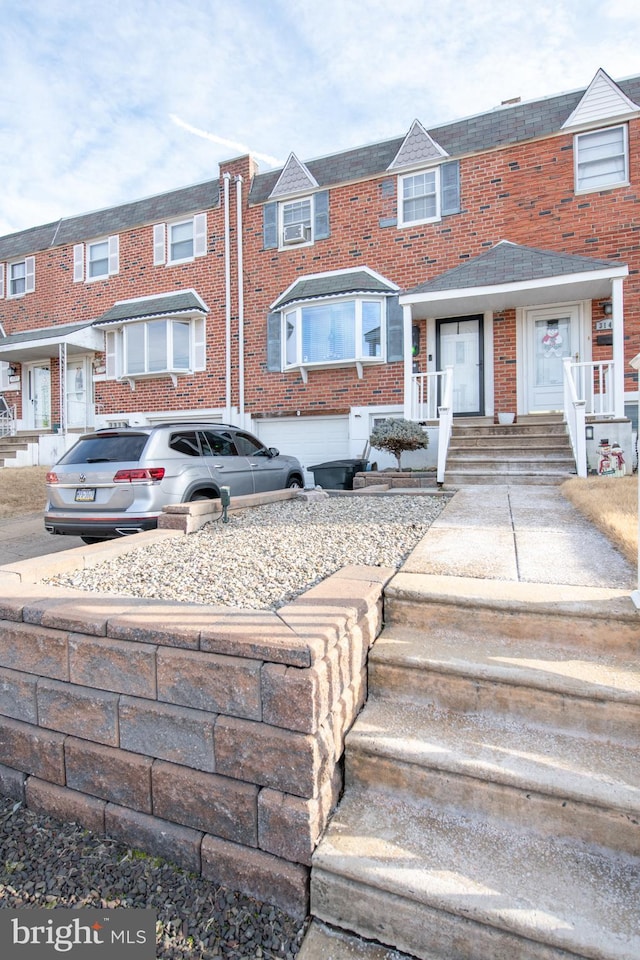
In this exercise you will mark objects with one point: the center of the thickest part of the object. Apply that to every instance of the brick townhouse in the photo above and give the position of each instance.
(487, 265)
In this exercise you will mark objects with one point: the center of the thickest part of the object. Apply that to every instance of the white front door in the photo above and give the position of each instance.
(37, 396)
(78, 397)
(459, 346)
(550, 335)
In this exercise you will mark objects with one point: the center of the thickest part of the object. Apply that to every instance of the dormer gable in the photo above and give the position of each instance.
(295, 178)
(603, 100)
(418, 147)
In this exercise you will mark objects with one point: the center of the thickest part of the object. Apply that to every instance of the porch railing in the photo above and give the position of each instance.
(445, 417)
(425, 389)
(7, 419)
(587, 393)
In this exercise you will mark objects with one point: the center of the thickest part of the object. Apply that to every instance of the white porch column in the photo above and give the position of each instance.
(408, 361)
(617, 317)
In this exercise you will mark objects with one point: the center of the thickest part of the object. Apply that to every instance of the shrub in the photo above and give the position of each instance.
(397, 435)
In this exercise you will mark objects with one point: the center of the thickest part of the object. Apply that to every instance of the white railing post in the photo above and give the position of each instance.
(445, 423)
(575, 415)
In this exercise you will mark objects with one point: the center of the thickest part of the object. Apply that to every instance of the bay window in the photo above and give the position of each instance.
(166, 346)
(333, 332)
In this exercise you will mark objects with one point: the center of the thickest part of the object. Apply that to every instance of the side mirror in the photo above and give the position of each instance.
(274, 452)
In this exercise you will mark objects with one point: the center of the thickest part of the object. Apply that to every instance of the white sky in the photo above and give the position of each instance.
(106, 102)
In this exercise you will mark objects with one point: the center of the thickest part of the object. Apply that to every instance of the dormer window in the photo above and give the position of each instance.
(601, 159)
(420, 197)
(293, 223)
(426, 196)
(296, 222)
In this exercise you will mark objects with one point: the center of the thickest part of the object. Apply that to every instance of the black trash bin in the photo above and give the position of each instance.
(337, 474)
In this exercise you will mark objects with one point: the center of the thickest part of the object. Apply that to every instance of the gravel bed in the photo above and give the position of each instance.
(264, 557)
(46, 863)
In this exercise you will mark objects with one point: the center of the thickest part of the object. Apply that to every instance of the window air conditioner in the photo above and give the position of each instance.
(294, 233)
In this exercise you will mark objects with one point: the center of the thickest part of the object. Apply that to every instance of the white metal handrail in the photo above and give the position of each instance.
(445, 413)
(424, 395)
(594, 386)
(575, 415)
(7, 418)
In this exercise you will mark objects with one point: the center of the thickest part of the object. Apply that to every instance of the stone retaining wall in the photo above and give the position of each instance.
(414, 479)
(208, 736)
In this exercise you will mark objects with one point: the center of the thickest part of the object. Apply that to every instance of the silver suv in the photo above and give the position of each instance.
(116, 481)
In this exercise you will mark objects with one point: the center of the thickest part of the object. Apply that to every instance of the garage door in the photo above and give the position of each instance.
(311, 439)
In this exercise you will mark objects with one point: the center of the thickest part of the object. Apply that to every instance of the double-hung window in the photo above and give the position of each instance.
(296, 225)
(426, 196)
(96, 260)
(334, 332)
(601, 159)
(180, 241)
(291, 223)
(21, 277)
(419, 195)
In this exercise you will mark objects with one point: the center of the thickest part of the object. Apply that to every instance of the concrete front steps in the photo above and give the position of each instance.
(10, 445)
(492, 800)
(535, 449)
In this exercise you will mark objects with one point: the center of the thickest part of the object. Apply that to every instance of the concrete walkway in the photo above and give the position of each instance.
(508, 545)
(530, 534)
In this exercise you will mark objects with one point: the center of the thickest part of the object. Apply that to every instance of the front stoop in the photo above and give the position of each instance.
(534, 449)
(492, 800)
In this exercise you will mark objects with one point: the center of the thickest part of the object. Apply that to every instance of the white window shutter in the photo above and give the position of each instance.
(159, 251)
(78, 262)
(200, 235)
(111, 358)
(29, 274)
(199, 344)
(1, 280)
(114, 255)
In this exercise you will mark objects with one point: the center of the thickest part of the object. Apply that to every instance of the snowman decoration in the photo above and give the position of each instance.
(552, 340)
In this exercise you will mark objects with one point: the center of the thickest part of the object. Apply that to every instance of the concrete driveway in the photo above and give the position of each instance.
(22, 538)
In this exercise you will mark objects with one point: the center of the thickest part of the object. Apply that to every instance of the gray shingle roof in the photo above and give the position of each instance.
(102, 223)
(511, 263)
(44, 333)
(167, 304)
(355, 281)
(509, 124)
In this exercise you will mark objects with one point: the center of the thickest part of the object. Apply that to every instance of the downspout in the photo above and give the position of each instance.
(227, 297)
(617, 318)
(408, 363)
(240, 302)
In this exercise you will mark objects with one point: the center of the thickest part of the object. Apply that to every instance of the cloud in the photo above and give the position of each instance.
(239, 147)
(95, 95)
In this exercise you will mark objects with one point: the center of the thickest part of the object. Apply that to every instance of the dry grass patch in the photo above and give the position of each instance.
(22, 490)
(611, 503)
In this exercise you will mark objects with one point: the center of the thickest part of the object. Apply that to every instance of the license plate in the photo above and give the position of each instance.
(85, 494)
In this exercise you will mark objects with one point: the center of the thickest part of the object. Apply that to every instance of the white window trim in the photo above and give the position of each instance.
(29, 277)
(116, 348)
(624, 182)
(359, 361)
(162, 240)
(402, 223)
(312, 210)
(81, 259)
